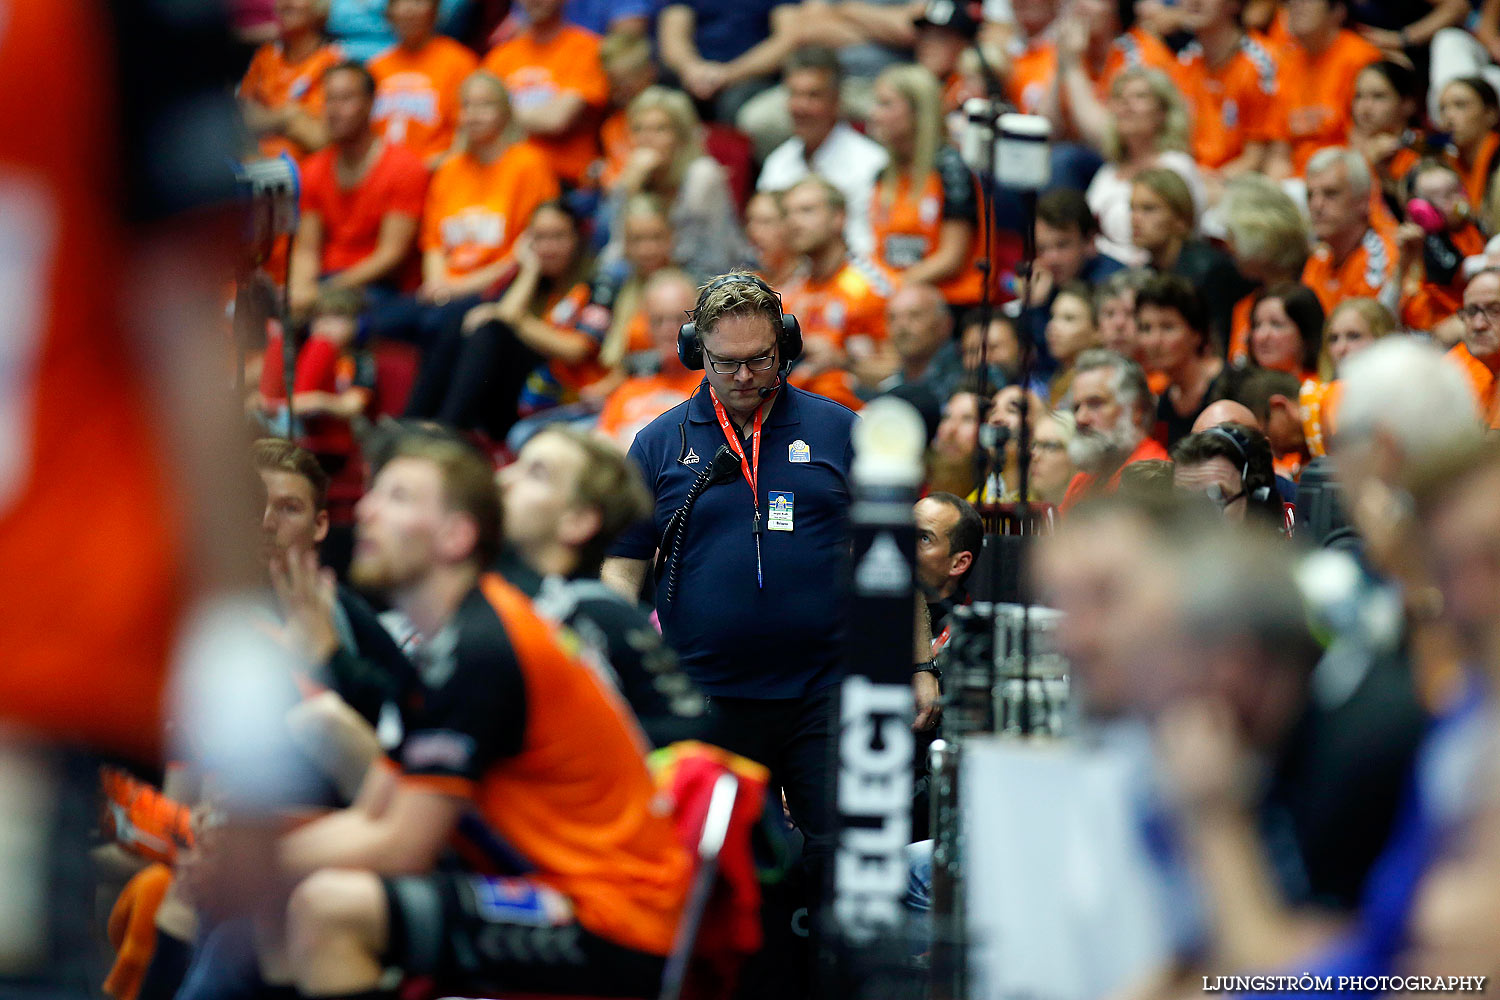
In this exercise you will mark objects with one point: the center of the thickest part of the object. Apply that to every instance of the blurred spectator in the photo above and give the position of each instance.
(1381, 123)
(557, 87)
(839, 300)
(725, 54)
(1272, 398)
(1286, 332)
(564, 500)
(823, 144)
(1353, 259)
(333, 382)
(474, 375)
(668, 298)
(1317, 63)
(1456, 52)
(944, 32)
(427, 530)
(630, 69)
(1052, 469)
(955, 463)
(1176, 341)
(765, 228)
(417, 81)
(1147, 127)
(363, 31)
(1114, 304)
(479, 203)
(667, 159)
(648, 240)
(924, 212)
(1478, 353)
(993, 352)
(1065, 233)
(1113, 413)
(361, 199)
(1268, 239)
(1431, 269)
(919, 328)
(1072, 329)
(1229, 80)
(282, 92)
(1231, 464)
(1469, 112)
(1354, 325)
(1163, 221)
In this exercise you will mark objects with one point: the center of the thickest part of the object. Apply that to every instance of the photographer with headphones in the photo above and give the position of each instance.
(750, 480)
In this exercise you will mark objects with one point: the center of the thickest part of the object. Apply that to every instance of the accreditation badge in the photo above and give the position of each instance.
(779, 517)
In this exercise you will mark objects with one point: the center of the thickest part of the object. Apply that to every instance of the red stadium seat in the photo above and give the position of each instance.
(395, 373)
(735, 153)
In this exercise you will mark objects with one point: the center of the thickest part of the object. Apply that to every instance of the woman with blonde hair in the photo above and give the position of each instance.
(1268, 240)
(667, 159)
(1352, 326)
(924, 211)
(1148, 127)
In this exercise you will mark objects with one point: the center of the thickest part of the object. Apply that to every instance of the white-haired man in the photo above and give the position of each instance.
(1353, 259)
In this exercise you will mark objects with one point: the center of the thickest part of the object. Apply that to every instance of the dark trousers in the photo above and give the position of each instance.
(473, 381)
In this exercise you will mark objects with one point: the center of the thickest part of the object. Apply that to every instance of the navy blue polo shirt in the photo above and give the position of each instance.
(734, 638)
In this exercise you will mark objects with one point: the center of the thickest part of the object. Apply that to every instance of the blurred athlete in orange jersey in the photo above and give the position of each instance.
(110, 269)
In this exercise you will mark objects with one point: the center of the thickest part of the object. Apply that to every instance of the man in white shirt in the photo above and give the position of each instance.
(823, 144)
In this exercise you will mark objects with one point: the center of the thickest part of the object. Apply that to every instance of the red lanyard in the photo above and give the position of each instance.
(750, 467)
(752, 471)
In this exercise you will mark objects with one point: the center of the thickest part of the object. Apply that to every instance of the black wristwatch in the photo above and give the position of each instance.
(928, 668)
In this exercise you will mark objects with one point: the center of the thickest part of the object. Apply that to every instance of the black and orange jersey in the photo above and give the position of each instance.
(907, 216)
(555, 764)
(90, 144)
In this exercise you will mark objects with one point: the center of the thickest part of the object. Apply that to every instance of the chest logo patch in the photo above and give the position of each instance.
(798, 451)
(691, 458)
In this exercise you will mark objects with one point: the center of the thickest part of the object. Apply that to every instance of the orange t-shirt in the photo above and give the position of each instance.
(1362, 274)
(416, 94)
(1239, 330)
(93, 579)
(274, 82)
(1085, 484)
(906, 230)
(1476, 175)
(1430, 303)
(614, 138)
(1231, 103)
(351, 217)
(475, 211)
(1481, 380)
(641, 400)
(1319, 403)
(537, 71)
(1033, 71)
(1316, 93)
(847, 309)
(575, 798)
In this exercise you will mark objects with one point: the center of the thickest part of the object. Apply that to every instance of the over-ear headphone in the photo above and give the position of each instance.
(1240, 442)
(690, 344)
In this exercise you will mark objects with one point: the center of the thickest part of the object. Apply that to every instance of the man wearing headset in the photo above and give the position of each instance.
(753, 544)
(1231, 464)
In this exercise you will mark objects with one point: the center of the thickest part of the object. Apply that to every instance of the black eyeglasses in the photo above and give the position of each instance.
(1490, 310)
(728, 366)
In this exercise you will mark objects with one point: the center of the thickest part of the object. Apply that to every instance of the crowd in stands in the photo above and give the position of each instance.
(1270, 246)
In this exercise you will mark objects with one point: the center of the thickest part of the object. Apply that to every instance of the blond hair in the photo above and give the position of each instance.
(1176, 124)
(633, 290)
(743, 297)
(678, 108)
(1169, 186)
(1380, 321)
(510, 132)
(1265, 225)
(922, 92)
